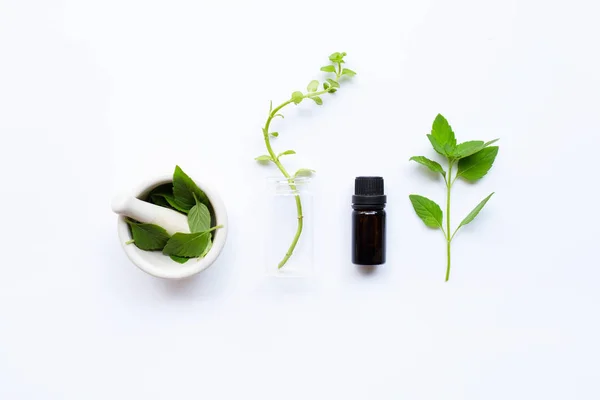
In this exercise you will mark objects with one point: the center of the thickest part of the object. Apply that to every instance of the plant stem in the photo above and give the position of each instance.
(214, 228)
(285, 173)
(448, 237)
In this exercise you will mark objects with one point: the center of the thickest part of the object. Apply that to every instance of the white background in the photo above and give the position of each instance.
(97, 95)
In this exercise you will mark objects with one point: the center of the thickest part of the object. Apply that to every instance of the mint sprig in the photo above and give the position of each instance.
(330, 85)
(473, 160)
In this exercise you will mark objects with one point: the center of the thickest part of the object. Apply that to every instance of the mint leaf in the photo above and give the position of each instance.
(148, 236)
(432, 165)
(304, 172)
(475, 211)
(180, 260)
(333, 83)
(184, 189)
(429, 212)
(317, 100)
(187, 244)
(156, 195)
(208, 247)
(328, 68)
(436, 146)
(199, 218)
(264, 158)
(274, 134)
(285, 153)
(348, 71)
(169, 199)
(159, 200)
(337, 57)
(325, 85)
(468, 148)
(297, 97)
(313, 86)
(477, 165)
(444, 137)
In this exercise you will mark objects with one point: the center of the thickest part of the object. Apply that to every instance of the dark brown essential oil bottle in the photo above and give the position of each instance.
(368, 221)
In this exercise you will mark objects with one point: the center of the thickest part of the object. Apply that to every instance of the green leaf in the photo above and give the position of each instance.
(285, 153)
(328, 68)
(297, 97)
(475, 211)
(436, 146)
(325, 85)
(467, 148)
(169, 199)
(490, 142)
(156, 195)
(199, 218)
(274, 134)
(304, 172)
(184, 189)
(429, 212)
(313, 86)
(159, 200)
(432, 165)
(148, 236)
(208, 247)
(333, 83)
(317, 100)
(264, 158)
(477, 165)
(187, 244)
(349, 72)
(180, 260)
(337, 57)
(442, 132)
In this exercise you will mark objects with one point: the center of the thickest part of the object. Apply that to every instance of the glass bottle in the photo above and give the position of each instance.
(289, 220)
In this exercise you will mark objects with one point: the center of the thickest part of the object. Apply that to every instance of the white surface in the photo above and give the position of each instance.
(95, 96)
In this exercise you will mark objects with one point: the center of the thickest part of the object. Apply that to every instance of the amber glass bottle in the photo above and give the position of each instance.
(368, 221)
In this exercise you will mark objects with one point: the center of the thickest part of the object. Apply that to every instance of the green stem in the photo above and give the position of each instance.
(448, 237)
(285, 173)
(214, 228)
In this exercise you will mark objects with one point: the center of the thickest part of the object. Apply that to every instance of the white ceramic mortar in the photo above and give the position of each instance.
(154, 262)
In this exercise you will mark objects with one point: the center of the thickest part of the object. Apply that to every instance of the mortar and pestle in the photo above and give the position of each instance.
(155, 263)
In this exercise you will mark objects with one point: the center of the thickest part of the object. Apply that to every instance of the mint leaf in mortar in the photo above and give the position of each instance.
(187, 244)
(169, 199)
(180, 260)
(148, 236)
(199, 218)
(184, 189)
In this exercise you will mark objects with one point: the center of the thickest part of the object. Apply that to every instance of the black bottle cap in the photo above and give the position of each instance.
(368, 190)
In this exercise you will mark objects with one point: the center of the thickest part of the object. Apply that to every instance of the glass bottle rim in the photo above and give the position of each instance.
(299, 180)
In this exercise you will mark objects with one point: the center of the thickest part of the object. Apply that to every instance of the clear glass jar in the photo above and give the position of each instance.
(289, 217)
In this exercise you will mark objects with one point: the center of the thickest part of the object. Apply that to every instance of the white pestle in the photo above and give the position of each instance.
(142, 211)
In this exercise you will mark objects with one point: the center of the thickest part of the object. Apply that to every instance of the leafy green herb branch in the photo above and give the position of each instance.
(331, 85)
(473, 160)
